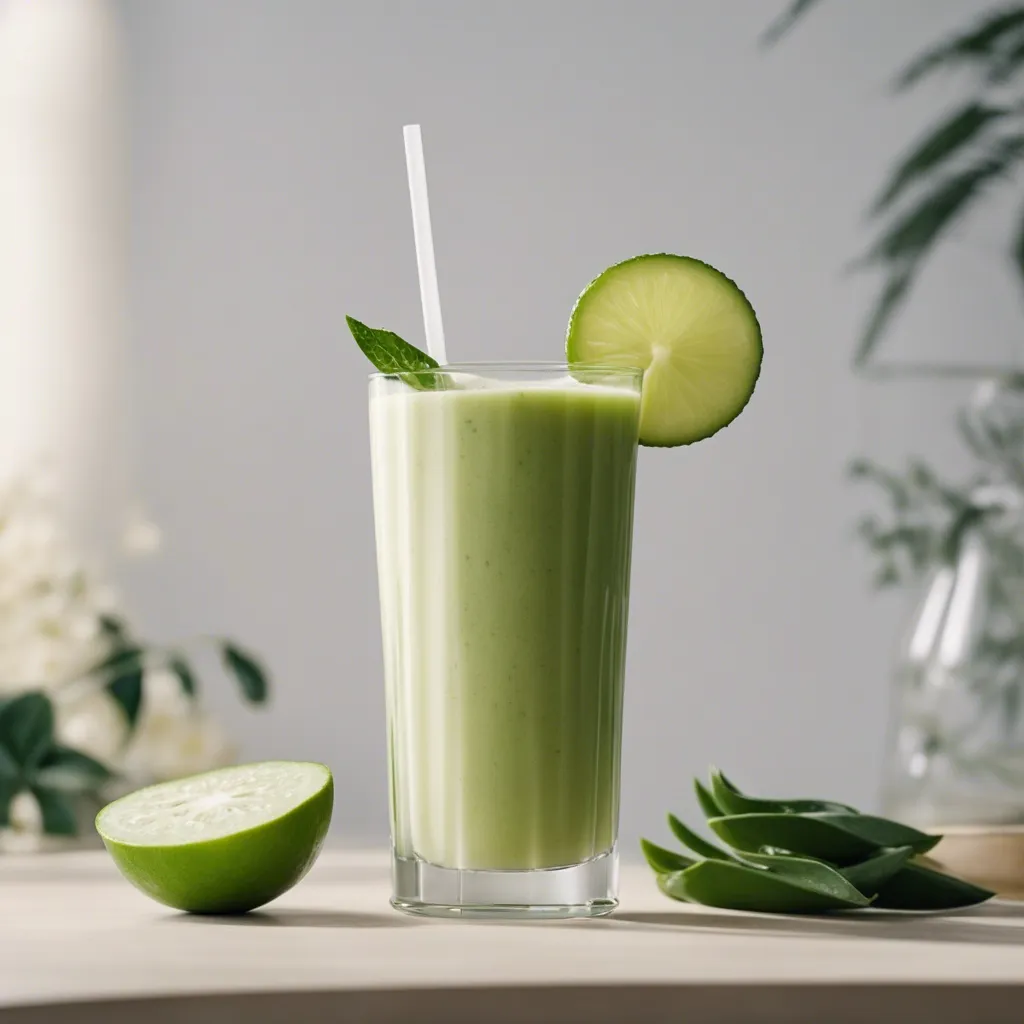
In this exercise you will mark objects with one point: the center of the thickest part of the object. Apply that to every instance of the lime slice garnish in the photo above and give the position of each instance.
(223, 842)
(688, 326)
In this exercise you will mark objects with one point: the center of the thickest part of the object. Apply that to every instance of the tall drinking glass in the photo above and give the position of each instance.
(503, 505)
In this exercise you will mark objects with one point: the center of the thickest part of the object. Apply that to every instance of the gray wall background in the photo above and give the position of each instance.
(269, 199)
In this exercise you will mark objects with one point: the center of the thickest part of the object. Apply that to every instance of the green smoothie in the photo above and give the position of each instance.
(503, 518)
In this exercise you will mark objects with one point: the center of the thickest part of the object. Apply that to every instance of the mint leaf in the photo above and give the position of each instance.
(797, 857)
(393, 355)
(708, 804)
(870, 875)
(806, 871)
(732, 801)
(916, 887)
(663, 861)
(842, 839)
(692, 841)
(719, 883)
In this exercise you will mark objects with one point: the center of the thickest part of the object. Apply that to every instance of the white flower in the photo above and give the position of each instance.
(26, 826)
(90, 720)
(173, 736)
(51, 635)
(50, 606)
(25, 834)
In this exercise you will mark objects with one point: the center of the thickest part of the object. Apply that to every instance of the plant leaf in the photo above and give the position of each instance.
(120, 661)
(70, 771)
(716, 883)
(919, 888)
(778, 28)
(841, 839)
(913, 233)
(664, 861)
(1007, 61)
(8, 766)
(978, 44)
(247, 670)
(889, 301)
(692, 841)
(807, 871)
(393, 355)
(924, 478)
(26, 729)
(9, 789)
(665, 884)
(1018, 249)
(127, 691)
(1011, 707)
(908, 240)
(115, 628)
(732, 801)
(57, 811)
(871, 874)
(181, 668)
(897, 490)
(707, 802)
(942, 142)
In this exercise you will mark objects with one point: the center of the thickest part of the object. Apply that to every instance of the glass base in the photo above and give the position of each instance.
(589, 889)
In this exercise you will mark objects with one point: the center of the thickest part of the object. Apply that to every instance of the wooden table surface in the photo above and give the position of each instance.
(78, 944)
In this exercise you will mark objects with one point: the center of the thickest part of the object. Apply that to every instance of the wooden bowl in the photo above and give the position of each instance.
(989, 855)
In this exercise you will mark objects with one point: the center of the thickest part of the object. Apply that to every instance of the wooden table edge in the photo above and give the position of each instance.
(717, 1003)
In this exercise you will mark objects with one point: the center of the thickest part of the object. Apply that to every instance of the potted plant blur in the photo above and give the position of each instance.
(955, 758)
(88, 709)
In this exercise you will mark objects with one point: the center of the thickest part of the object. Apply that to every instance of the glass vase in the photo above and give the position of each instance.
(956, 740)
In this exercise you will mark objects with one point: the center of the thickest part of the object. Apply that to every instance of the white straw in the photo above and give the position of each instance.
(429, 295)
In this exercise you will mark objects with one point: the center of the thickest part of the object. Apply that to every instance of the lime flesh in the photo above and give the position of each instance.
(223, 842)
(687, 326)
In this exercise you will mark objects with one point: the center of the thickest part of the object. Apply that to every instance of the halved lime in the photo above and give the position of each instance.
(223, 842)
(688, 326)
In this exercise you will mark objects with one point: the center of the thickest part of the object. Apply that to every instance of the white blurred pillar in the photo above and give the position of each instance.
(62, 266)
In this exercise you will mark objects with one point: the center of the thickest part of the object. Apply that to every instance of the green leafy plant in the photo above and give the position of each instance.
(801, 857)
(943, 176)
(928, 517)
(959, 723)
(31, 760)
(82, 696)
(960, 159)
(58, 776)
(927, 521)
(122, 672)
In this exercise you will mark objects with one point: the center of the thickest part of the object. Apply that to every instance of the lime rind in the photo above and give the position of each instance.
(688, 326)
(233, 868)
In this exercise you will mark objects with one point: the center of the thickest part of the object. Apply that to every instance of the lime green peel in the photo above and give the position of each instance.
(223, 842)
